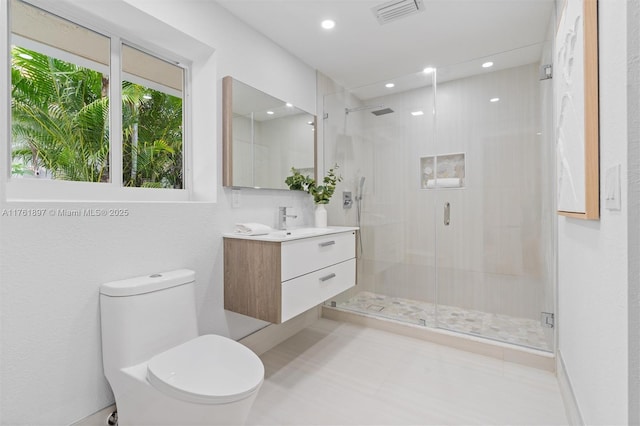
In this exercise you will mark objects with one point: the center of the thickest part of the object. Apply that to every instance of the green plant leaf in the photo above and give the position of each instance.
(321, 193)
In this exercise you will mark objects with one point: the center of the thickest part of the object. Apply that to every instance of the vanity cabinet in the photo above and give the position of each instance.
(277, 280)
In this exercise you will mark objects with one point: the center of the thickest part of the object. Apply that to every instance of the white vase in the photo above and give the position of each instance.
(321, 216)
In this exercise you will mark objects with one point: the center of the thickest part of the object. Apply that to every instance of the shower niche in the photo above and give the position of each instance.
(442, 171)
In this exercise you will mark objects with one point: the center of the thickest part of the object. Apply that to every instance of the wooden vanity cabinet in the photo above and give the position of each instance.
(277, 280)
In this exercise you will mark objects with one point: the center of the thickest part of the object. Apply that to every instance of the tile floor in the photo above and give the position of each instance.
(519, 331)
(335, 373)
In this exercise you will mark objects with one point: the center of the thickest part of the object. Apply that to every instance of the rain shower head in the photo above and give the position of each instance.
(382, 111)
(361, 108)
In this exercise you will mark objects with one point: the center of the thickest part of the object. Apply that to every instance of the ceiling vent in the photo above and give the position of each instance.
(396, 9)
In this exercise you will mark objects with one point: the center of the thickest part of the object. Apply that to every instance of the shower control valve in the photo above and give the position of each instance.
(347, 200)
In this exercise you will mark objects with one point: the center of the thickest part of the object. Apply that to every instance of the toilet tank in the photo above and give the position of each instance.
(144, 316)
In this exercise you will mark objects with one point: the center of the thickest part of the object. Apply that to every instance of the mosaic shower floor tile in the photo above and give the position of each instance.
(519, 331)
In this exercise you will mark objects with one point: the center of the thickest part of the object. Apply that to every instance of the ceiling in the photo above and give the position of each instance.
(359, 51)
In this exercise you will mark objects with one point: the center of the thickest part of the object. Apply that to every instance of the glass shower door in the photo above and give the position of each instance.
(378, 136)
(491, 191)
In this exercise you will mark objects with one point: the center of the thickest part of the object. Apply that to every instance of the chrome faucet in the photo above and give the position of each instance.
(282, 217)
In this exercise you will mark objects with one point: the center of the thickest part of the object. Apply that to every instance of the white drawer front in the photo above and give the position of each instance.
(307, 291)
(300, 257)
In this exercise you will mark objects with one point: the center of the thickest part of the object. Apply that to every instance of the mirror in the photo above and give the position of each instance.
(263, 137)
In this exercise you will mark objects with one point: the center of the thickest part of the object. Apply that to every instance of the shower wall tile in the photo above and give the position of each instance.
(492, 250)
(510, 252)
(492, 208)
(533, 261)
(500, 296)
(456, 287)
(511, 206)
(393, 282)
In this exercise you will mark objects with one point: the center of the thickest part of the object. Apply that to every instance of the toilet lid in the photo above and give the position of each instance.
(209, 369)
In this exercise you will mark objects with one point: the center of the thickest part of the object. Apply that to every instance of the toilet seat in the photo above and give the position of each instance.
(209, 369)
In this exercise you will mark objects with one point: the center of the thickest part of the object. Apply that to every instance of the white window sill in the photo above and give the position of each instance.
(52, 190)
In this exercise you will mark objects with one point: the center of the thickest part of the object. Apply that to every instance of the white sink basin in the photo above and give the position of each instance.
(299, 232)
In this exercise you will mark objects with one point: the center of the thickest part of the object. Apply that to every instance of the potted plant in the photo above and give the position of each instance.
(321, 193)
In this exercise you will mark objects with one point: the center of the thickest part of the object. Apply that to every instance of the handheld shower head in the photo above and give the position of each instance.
(359, 210)
(361, 188)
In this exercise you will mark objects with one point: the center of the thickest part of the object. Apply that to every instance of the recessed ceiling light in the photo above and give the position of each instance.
(328, 24)
(25, 56)
(494, 99)
(289, 105)
(270, 112)
(389, 85)
(428, 70)
(487, 64)
(417, 113)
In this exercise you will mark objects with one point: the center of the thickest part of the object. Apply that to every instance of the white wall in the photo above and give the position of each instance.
(242, 52)
(592, 255)
(633, 217)
(51, 268)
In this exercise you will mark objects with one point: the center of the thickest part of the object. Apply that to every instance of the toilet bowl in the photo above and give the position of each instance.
(161, 372)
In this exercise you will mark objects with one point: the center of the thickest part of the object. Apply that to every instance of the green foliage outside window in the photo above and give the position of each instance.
(59, 119)
(152, 138)
(60, 125)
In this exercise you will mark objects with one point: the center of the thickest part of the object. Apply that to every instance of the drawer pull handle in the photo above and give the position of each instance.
(327, 277)
(327, 243)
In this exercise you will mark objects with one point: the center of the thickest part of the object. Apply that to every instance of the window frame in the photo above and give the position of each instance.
(19, 189)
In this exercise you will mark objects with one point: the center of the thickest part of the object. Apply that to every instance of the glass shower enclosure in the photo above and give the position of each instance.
(452, 181)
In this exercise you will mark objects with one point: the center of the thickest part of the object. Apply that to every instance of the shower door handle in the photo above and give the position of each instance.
(447, 214)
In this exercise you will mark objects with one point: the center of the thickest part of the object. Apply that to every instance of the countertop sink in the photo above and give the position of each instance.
(299, 232)
(293, 234)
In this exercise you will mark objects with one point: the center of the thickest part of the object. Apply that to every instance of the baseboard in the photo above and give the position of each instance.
(97, 419)
(266, 338)
(566, 390)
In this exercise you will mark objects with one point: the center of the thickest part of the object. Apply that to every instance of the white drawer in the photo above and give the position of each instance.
(307, 291)
(310, 254)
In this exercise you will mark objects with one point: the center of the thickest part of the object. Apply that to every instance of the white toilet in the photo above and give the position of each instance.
(161, 372)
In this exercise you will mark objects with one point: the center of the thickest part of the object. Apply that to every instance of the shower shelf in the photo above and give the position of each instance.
(442, 171)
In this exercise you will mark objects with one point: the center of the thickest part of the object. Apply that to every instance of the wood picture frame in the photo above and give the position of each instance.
(577, 110)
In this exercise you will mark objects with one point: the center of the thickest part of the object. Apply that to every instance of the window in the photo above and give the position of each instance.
(151, 121)
(63, 84)
(59, 98)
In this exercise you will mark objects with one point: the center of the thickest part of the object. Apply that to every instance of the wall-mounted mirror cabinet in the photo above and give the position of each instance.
(263, 137)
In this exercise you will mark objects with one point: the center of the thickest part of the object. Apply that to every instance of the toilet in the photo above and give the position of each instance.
(161, 372)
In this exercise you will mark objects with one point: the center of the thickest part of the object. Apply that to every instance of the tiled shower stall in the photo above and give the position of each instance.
(466, 244)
